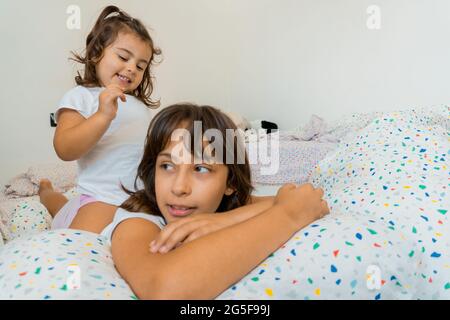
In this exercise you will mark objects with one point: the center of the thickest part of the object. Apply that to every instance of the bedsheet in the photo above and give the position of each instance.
(387, 236)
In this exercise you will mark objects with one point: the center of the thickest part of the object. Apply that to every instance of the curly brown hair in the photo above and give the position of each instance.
(158, 136)
(111, 21)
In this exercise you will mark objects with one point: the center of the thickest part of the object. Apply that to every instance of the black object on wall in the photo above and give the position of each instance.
(52, 120)
(269, 126)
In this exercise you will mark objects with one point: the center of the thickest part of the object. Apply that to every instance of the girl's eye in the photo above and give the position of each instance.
(122, 58)
(140, 68)
(202, 169)
(166, 166)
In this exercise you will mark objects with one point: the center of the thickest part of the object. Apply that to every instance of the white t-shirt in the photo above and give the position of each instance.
(122, 214)
(116, 156)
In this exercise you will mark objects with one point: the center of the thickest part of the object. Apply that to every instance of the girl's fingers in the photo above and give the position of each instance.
(162, 237)
(178, 244)
(117, 91)
(177, 236)
(320, 191)
(180, 234)
(115, 86)
(192, 236)
(325, 208)
(289, 186)
(165, 234)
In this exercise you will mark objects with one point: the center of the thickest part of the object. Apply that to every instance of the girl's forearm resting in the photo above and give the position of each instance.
(256, 206)
(205, 267)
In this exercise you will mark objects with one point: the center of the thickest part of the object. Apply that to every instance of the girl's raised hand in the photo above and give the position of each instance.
(303, 204)
(187, 229)
(108, 100)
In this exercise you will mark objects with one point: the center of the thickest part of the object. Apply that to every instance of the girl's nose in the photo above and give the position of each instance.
(181, 185)
(131, 68)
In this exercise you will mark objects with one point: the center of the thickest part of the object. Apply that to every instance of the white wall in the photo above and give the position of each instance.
(278, 60)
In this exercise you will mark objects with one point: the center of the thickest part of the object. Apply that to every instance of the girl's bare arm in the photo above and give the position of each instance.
(75, 136)
(203, 268)
(255, 206)
(256, 199)
(199, 225)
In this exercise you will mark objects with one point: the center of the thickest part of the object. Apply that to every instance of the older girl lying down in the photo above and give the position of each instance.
(194, 252)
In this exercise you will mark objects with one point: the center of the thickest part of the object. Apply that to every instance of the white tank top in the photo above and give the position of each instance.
(122, 215)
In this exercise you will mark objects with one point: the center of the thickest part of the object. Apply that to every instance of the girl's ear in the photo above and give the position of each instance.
(229, 191)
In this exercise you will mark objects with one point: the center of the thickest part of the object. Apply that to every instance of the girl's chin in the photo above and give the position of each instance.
(127, 86)
(169, 218)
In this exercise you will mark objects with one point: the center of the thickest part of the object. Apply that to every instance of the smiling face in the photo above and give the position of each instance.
(186, 189)
(124, 62)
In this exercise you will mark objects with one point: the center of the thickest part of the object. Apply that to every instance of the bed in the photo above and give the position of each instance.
(387, 236)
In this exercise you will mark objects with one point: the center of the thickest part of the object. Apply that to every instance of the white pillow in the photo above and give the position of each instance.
(25, 216)
(60, 264)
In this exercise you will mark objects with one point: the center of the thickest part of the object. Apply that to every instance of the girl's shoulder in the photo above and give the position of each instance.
(81, 99)
(81, 93)
(84, 91)
(122, 214)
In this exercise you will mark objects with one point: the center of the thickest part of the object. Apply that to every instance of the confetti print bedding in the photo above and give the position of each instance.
(387, 236)
(60, 264)
(25, 216)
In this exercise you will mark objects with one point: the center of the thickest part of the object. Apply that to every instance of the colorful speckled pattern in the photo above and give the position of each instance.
(25, 216)
(387, 236)
(29, 217)
(60, 264)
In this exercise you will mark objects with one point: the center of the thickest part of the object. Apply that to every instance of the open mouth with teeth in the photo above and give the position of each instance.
(180, 211)
(123, 78)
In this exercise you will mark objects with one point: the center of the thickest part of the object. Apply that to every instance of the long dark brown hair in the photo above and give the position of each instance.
(158, 136)
(111, 21)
